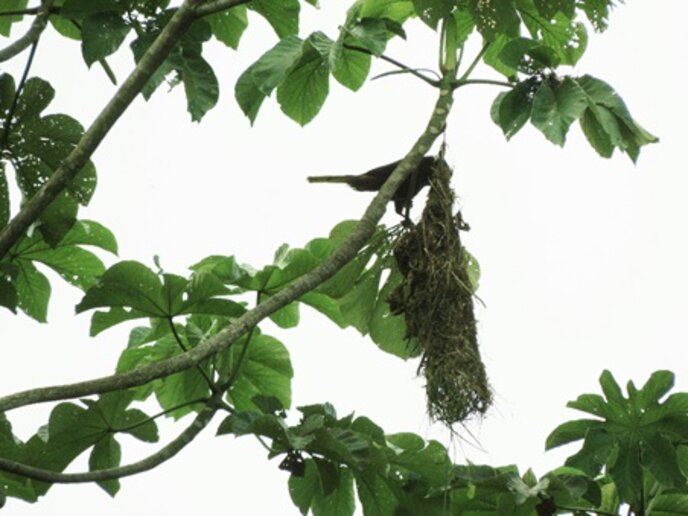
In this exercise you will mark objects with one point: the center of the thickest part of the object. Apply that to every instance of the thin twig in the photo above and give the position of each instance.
(160, 414)
(31, 11)
(119, 103)
(466, 82)
(178, 338)
(398, 64)
(17, 94)
(346, 252)
(474, 63)
(31, 36)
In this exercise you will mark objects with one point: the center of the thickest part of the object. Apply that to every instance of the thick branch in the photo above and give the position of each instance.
(150, 462)
(345, 253)
(31, 36)
(131, 87)
(216, 6)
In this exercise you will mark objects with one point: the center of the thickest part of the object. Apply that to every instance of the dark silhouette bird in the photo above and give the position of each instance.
(373, 180)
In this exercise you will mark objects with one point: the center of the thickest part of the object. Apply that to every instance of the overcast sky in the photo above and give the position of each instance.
(583, 259)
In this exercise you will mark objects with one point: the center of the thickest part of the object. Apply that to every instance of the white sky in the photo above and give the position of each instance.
(583, 259)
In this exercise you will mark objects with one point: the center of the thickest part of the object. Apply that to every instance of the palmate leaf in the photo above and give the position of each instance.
(184, 65)
(132, 291)
(37, 146)
(102, 33)
(69, 259)
(635, 435)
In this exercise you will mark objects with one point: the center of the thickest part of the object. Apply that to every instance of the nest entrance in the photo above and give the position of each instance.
(436, 299)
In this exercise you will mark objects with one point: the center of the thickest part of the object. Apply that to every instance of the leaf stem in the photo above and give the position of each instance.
(398, 64)
(204, 374)
(17, 94)
(160, 414)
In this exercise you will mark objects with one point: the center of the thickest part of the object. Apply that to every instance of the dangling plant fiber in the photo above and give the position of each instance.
(436, 299)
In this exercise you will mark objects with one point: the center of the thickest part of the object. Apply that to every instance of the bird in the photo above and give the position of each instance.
(372, 181)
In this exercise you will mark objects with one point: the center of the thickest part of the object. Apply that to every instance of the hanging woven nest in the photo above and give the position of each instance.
(436, 299)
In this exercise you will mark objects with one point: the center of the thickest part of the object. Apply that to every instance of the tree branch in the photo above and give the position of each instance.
(130, 88)
(150, 462)
(31, 11)
(31, 36)
(216, 6)
(341, 256)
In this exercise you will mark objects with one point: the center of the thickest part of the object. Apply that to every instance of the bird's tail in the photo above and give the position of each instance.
(330, 179)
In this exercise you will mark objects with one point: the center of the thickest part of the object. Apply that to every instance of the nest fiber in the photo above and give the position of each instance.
(436, 299)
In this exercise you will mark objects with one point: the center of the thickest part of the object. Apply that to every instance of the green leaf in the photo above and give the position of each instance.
(591, 403)
(282, 15)
(432, 11)
(302, 489)
(570, 431)
(358, 304)
(370, 33)
(626, 472)
(76, 265)
(556, 105)
(287, 316)
(548, 8)
(495, 17)
(107, 453)
(263, 76)
(8, 294)
(325, 305)
(668, 504)
(38, 146)
(566, 38)
(229, 25)
(406, 441)
(395, 10)
(305, 88)
(266, 369)
(596, 134)
(528, 56)
(376, 496)
(511, 110)
(101, 35)
(659, 457)
(33, 291)
(6, 22)
(138, 424)
(339, 502)
(597, 12)
(388, 330)
(613, 118)
(351, 68)
(615, 397)
(200, 84)
(127, 284)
